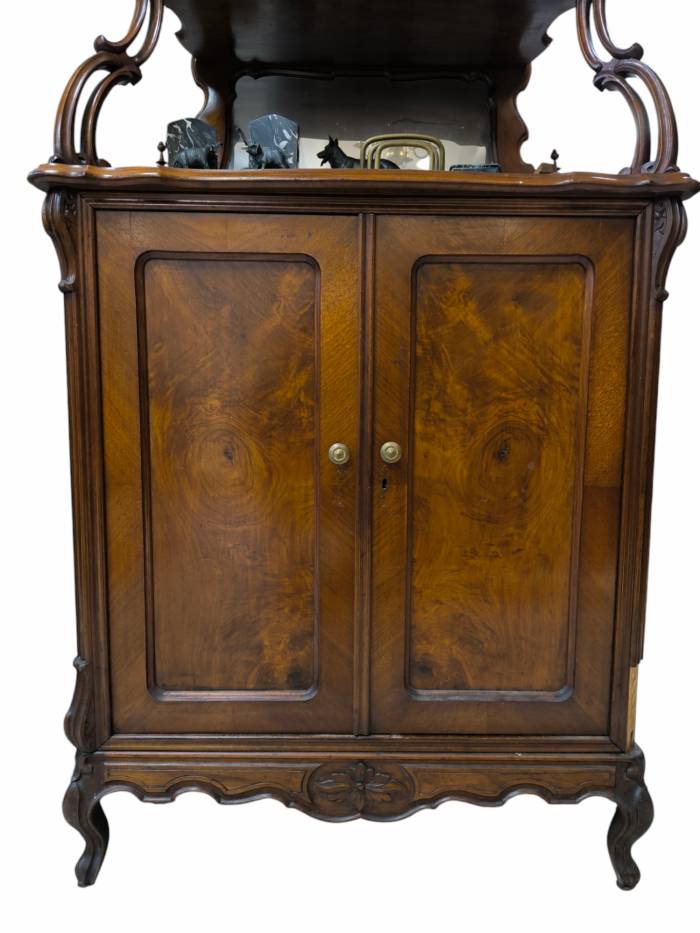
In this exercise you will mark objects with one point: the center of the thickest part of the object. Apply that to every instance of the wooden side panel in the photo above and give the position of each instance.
(498, 398)
(229, 367)
(229, 354)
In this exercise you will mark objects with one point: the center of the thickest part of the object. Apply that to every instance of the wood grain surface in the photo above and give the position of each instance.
(500, 356)
(227, 377)
(230, 392)
(498, 396)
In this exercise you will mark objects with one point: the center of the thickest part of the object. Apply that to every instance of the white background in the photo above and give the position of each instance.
(258, 867)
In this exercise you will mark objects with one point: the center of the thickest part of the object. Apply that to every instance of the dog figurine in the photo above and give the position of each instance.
(336, 158)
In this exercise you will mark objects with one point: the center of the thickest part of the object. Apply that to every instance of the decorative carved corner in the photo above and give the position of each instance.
(79, 723)
(60, 216)
(373, 789)
(615, 74)
(670, 228)
(120, 67)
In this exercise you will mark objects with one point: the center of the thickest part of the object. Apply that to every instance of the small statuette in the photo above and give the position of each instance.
(161, 149)
(274, 142)
(200, 157)
(336, 158)
(189, 143)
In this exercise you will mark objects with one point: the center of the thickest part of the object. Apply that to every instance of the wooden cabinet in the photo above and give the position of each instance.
(362, 460)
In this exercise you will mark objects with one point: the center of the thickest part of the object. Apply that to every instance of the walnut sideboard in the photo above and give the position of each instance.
(362, 460)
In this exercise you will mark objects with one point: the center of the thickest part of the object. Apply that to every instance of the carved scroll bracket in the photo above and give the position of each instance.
(79, 723)
(121, 67)
(670, 228)
(60, 216)
(614, 74)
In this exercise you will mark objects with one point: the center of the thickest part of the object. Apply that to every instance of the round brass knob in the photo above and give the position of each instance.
(391, 452)
(339, 454)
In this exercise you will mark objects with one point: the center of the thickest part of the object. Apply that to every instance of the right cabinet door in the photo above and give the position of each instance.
(500, 369)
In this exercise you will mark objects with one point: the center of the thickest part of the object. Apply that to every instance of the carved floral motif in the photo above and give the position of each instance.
(368, 788)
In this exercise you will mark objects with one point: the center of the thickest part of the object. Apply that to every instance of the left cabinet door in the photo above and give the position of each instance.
(229, 368)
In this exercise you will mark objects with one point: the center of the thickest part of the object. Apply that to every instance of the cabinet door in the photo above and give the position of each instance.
(500, 369)
(228, 370)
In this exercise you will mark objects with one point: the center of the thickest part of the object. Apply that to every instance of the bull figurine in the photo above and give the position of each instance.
(198, 157)
(266, 156)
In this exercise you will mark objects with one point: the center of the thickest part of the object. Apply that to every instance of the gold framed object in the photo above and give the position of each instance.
(372, 149)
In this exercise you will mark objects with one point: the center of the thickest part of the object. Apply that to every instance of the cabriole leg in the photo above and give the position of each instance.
(82, 809)
(633, 817)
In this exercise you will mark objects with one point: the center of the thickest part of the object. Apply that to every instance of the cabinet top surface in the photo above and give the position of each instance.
(413, 184)
(387, 33)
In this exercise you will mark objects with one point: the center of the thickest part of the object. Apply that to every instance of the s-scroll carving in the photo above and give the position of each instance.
(121, 68)
(60, 217)
(79, 724)
(614, 74)
(372, 789)
(670, 228)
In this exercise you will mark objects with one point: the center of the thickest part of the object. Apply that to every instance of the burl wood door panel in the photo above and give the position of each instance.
(226, 378)
(501, 354)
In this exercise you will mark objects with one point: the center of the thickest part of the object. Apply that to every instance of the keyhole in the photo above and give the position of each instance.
(385, 484)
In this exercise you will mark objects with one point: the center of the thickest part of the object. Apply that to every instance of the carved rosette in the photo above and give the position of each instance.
(371, 789)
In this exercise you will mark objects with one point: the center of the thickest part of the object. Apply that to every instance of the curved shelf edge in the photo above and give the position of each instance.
(308, 181)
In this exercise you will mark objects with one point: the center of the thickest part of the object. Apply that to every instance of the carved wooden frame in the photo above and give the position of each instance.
(121, 68)
(346, 787)
(508, 128)
(614, 74)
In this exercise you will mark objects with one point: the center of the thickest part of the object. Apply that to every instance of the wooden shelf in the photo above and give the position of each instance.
(384, 183)
(367, 33)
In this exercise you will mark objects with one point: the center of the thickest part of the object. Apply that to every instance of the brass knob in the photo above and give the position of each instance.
(339, 454)
(391, 452)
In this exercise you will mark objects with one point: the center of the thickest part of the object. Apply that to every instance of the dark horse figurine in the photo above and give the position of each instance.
(336, 158)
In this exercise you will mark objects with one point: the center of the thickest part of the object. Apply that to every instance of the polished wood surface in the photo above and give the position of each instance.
(498, 397)
(367, 639)
(391, 185)
(500, 357)
(226, 378)
(377, 32)
(393, 271)
(229, 379)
